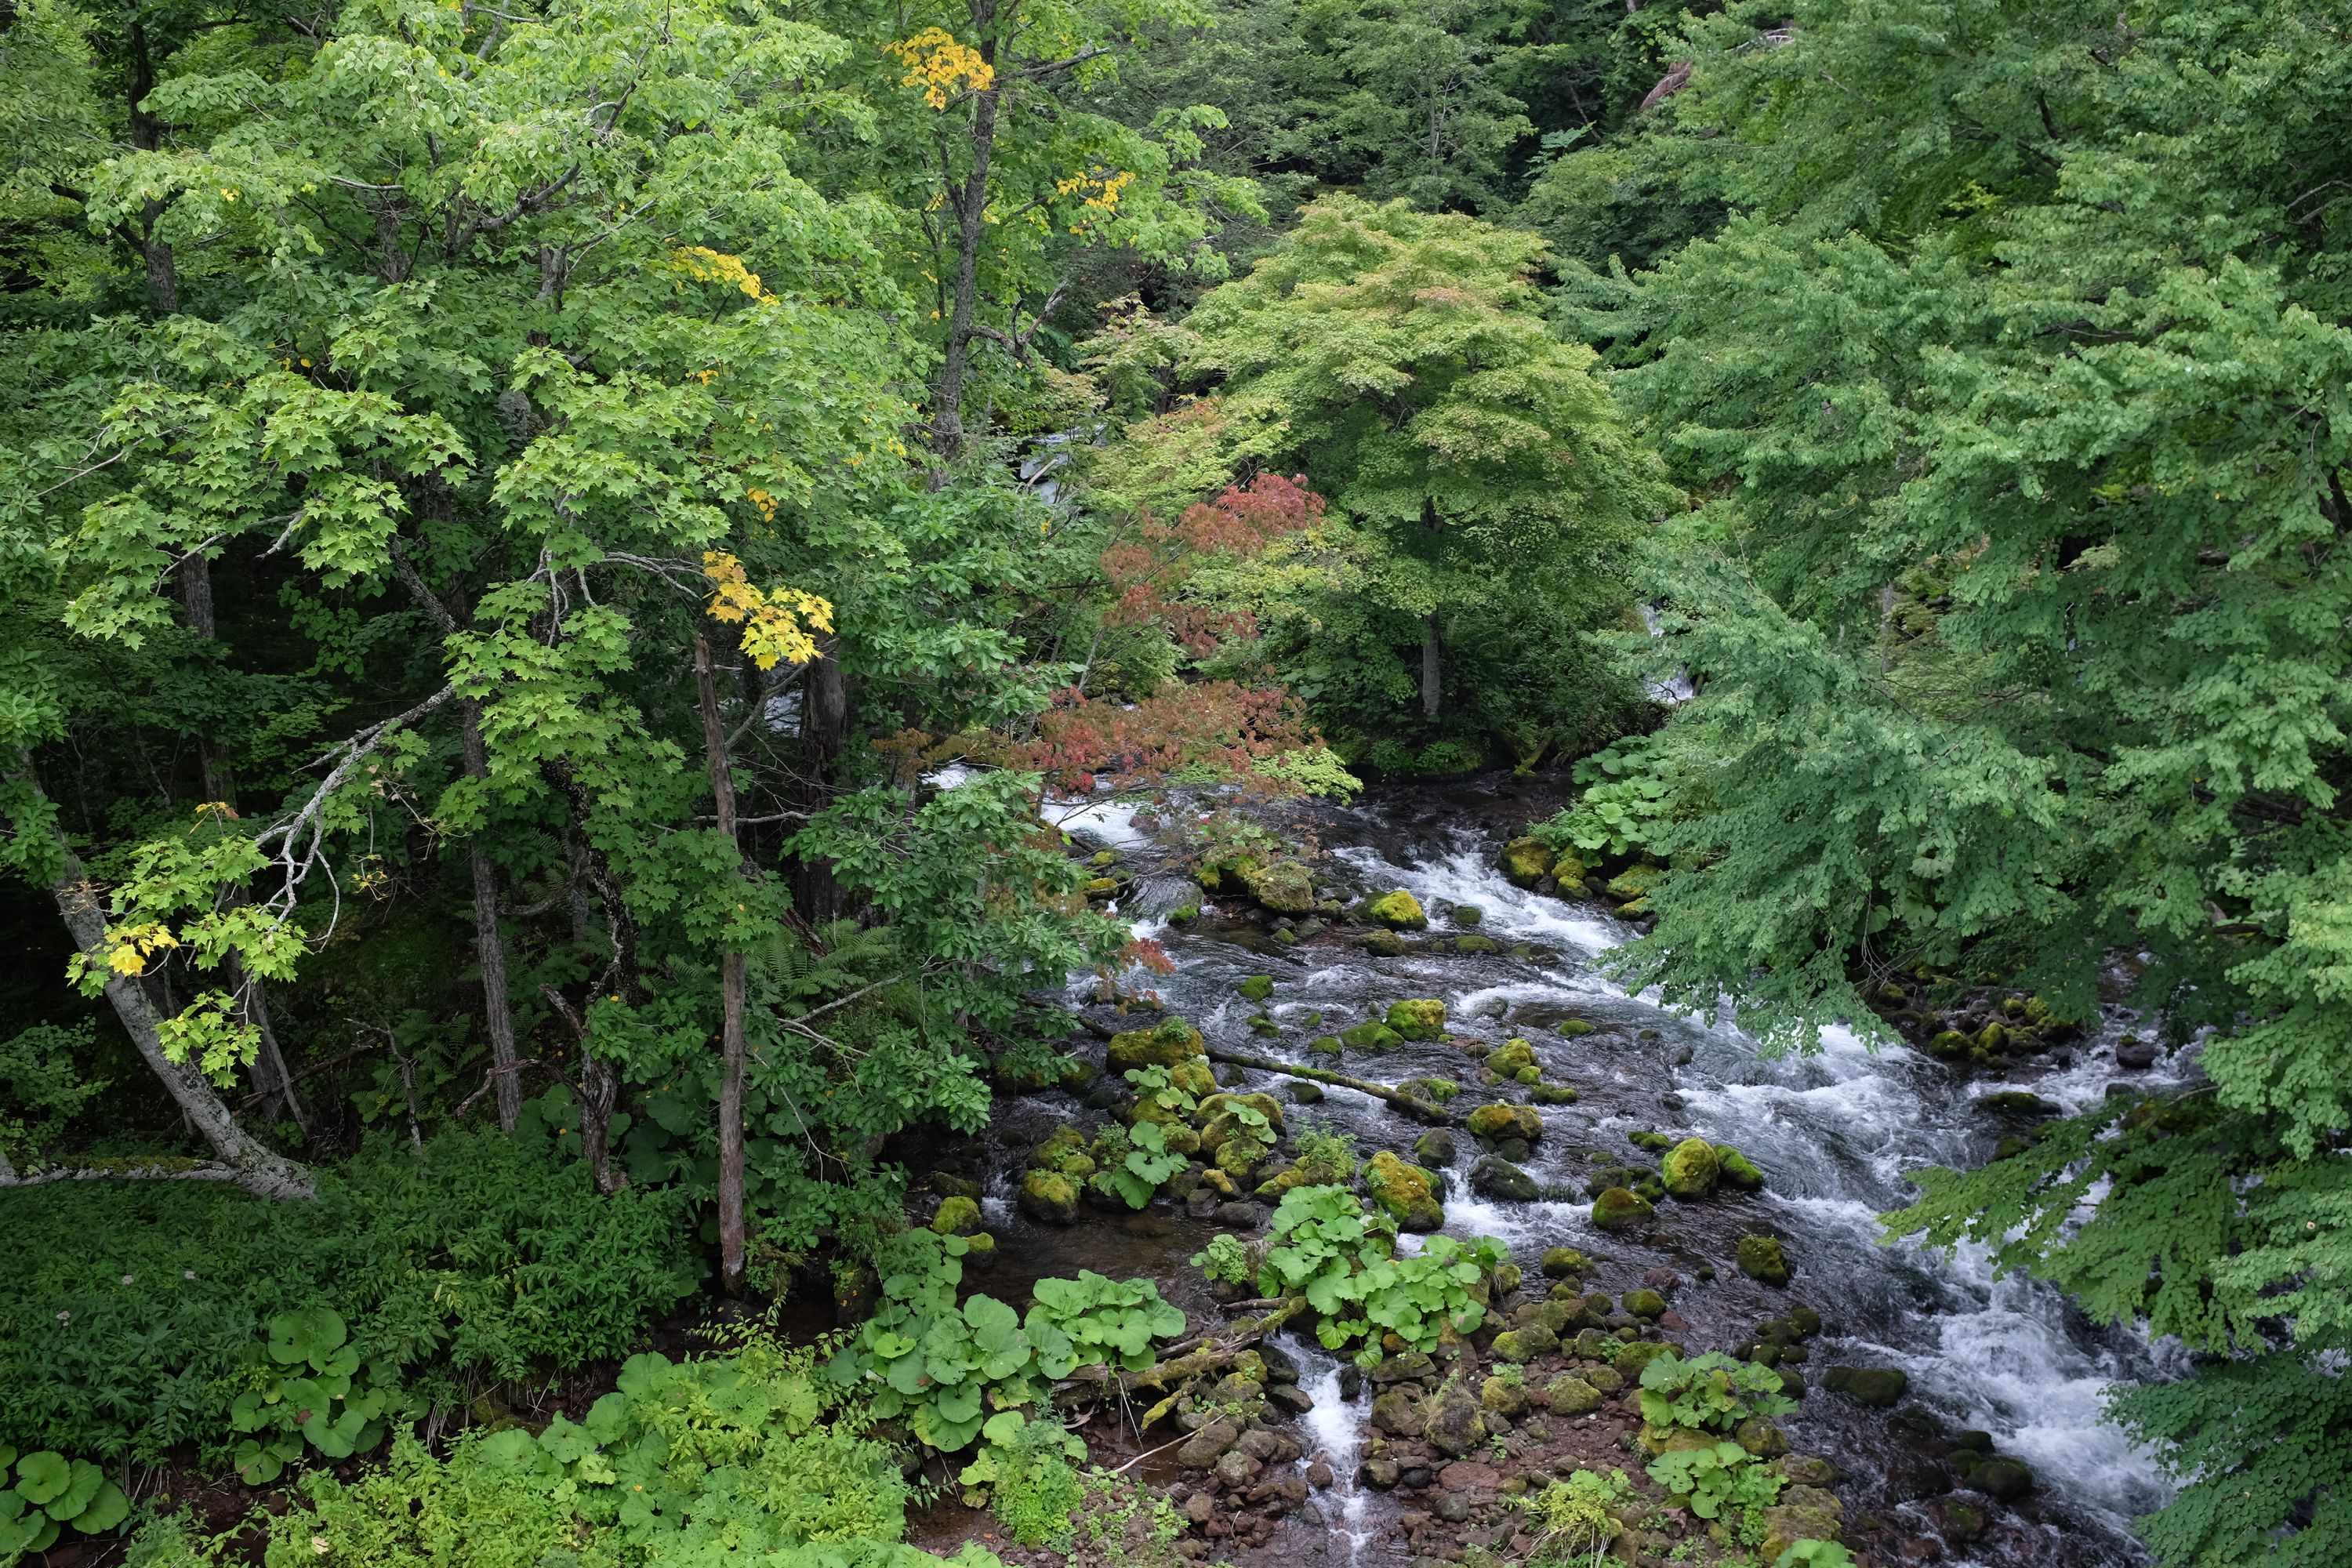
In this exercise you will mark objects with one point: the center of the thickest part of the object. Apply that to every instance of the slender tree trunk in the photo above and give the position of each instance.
(732, 1237)
(256, 1168)
(147, 135)
(600, 1089)
(825, 725)
(971, 206)
(1430, 667)
(489, 942)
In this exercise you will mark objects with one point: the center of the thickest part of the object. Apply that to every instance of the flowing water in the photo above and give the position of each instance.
(1834, 1133)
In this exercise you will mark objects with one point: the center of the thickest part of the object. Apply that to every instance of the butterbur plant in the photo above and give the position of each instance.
(1338, 1252)
(1712, 1392)
(51, 1492)
(310, 1388)
(1716, 1479)
(1111, 1321)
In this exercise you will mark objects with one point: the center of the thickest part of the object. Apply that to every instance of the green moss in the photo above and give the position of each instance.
(1165, 1044)
(1404, 1191)
(1371, 1036)
(1257, 988)
(1738, 1169)
(1499, 1121)
(1513, 1056)
(1617, 1208)
(1692, 1168)
(956, 1216)
(1420, 1019)
(1398, 911)
(1524, 862)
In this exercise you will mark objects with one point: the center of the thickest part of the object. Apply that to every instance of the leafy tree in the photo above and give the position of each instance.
(2015, 610)
(1478, 470)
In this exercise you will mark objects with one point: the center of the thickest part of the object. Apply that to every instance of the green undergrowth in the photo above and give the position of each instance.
(137, 1313)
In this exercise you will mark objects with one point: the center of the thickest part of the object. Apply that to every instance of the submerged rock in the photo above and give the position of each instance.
(1499, 1122)
(1879, 1387)
(2004, 1478)
(1738, 1169)
(1564, 1262)
(1371, 1036)
(1498, 1178)
(1257, 988)
(1435, 1147)
(1514, 1055)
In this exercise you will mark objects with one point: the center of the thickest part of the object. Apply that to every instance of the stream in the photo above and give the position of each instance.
(1834, 1132)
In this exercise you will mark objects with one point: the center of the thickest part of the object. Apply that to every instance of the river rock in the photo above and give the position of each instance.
(1564, 1263)
(1379, 1474)
(1303, 1092)
(1235, 1469)
(1435, 1147)
(1560, 1317)
(1257, 988)
(1384, 944)
(1291, 1397)
(1762, 1258)
(1370, 1035)
(1205, 1446)
(1455, 1424)
(1761, 1437)
(1242, 1213)
(956, 1215)
(1607, 1379)
(1319, 1476)
(1503, 1397)
(1804, 1518)
(1165, 1044)
(1571, 1028)
(1282, 886)
(1470, 944)
(1616, 1208)
(1877, 1387)
(1498, 1123)
(1738, 1169)
(2134, 1053)
(1645, 1303)
(1504, 1182)
(1514, 1055)
(1574, 1396)
(2004, 1478)
(1691, 1168)
(1524, 862)
(1397, 1413)
(1398, 911)
(1630, 1360)
(1417, 1018)
(1520, 1346)
(1405, 1190)
(1466, 915)
(1049, 1197)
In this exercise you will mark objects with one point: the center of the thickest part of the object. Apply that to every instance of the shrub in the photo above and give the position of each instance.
(137, 1311)
(1030, 1483)
(1571, 1518)
(1712, 1392)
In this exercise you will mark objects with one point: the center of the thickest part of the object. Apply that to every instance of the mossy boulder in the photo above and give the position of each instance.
(1645, 1304)
(1399, 911)
(1629, 1361)
(1520, 1346)
(1218, 1108)
(1573, 1395)
(1571, 1028)
(1063, 1151)
(1524, 862)
(1633, 885)
(1436, 1090)
(1418, 1018)
(1762, 1258)
(1370, 1035)
(1738, 1169)
(1050, 1197)
(1470, 944)
(1456, 1424)
(1691, 1168)
(1804, 1520)
(1880, 1387)
(1283, 886)
(2005, 1479)
(1466, 915)
(1514, 1055)
(1552, 1094)
(1303, 1092)
(1617, 1208)
(1564, 1263)
(1165, 1044)
(1404, 1191)
(1504, 1182)
(1435, 1147)
(1326, 1046)
(1503, 1397)
(1257, 988)
(1497, 1123)
(1384, 944)
(956, 1216)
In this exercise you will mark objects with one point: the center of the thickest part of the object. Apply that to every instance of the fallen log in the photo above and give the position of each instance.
(1419, 1110)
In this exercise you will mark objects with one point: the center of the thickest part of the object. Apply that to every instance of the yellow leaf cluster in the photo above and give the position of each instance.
(707, 266)
(778, 623)
(940, 66)
(128, 948)
(1101, 188)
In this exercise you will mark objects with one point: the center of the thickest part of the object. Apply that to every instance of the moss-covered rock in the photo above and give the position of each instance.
(2004, 1478)
(1435, 1147)
(1467, 916)
(1646, 1304)
(1571, 1028)
(1762, 1258)
(1761, 1437)
(1436, 1090)
(956, 1216)
(1497, 1123)
(1691, 1168)
(1216, 1107)
(1418, 1018)
(1398, 911)
(1738, 1169)
(1050, 1197)
(1634, 884)
(1573, 1395)
(1649, 1141)
(1063, 1151)
(1617, 1208)
(1165, 1044)
(1817, 1517)
(1257, 988)
(1384, 944)
(1456, 1424)
(1514, 1055)
(1504, 1182)
(1503, 1397)
(1303, 1092)
(1520, 1346)
(1283, 886)
(1370, 1035)
(1552, 1094)
(1325, 1046)
(1404, 1191)
(1470, 944)
(1524, 862)
(1633, 1357)
(1880, 1387)
(1564, 1263)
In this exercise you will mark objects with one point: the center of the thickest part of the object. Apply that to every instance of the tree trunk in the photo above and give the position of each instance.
(257, 1168)
(971, 206)
(147, 135)
(825, 725)
(489, 943)
(1429, 667)
(599, 1088)
(731, 1229)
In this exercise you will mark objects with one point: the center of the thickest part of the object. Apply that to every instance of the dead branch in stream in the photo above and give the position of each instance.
(1419, 1110)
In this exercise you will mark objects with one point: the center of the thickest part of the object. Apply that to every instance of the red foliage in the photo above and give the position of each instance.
(1149, 569)
(1217, 724)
